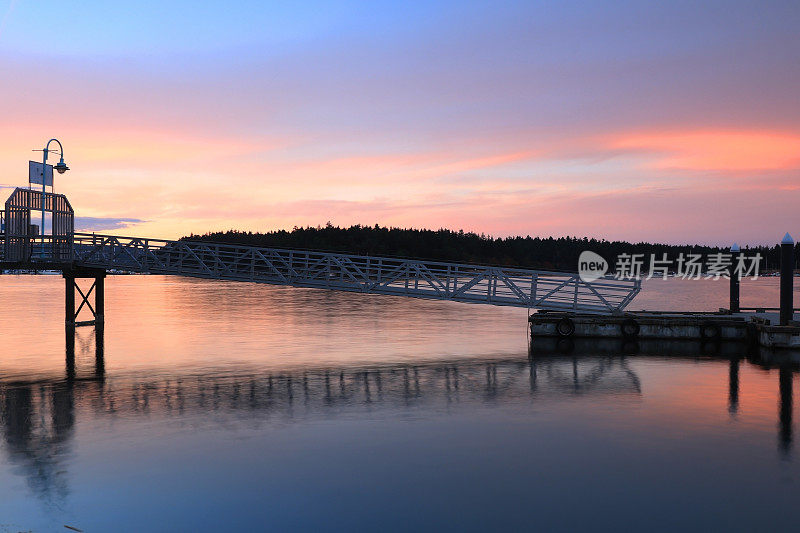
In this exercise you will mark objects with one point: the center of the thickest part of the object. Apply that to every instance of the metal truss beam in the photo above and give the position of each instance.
(375, 275)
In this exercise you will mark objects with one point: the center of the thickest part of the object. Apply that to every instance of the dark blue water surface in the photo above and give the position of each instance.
(216, 406)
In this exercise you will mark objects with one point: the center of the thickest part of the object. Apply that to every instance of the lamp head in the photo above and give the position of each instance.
(61, 167)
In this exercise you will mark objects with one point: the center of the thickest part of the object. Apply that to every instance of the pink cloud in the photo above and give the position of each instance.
(737, 151)
(213, 157)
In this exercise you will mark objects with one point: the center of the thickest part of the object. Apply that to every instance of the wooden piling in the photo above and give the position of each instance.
(787, 280)
(735, 279)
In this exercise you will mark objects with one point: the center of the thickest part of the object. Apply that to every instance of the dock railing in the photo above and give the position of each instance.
(36, 251)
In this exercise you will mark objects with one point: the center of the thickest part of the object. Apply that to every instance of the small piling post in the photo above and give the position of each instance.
(99, 351)
(69, 360)
(99, 300)
(69, 316)
(787, 279)
(734, 272)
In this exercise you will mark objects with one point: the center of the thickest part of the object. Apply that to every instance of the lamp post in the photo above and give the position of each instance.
(61, 167)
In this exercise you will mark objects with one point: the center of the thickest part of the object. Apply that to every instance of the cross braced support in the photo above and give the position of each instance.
(97, 288)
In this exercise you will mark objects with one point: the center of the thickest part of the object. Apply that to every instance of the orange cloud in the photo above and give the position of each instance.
(717, 150)
(180, 181)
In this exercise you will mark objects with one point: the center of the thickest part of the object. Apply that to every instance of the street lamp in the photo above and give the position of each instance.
(61, 167)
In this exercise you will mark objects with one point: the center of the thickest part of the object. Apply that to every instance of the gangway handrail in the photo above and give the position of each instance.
(322, 251)
(440, 280)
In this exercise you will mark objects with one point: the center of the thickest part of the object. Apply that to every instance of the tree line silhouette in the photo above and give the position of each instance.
(556, 253)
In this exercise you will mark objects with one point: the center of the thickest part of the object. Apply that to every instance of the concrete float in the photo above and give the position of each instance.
(755, 328)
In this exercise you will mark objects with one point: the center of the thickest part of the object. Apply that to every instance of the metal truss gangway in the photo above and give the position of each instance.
(435, 280)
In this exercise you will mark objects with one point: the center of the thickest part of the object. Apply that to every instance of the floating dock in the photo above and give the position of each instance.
(773, 329)
(758, 328)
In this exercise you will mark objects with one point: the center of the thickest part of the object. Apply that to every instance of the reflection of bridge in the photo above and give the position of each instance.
(319, 392)
(90, 256)
(37, 418)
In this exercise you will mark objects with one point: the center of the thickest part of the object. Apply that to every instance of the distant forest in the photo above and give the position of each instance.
(555, 253)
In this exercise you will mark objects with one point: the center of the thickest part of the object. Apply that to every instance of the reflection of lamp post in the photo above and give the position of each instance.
(61, 167)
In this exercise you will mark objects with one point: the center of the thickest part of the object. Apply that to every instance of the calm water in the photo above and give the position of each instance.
(228, 406)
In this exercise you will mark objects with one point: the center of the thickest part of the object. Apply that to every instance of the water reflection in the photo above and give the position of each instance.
(733, 387)
(93, 343)
(38, 417)
(785, 415)
(734, 352)
(37, 424)
(323, 392)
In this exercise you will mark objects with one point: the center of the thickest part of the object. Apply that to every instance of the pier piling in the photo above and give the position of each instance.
(787, 279)
(734, 290)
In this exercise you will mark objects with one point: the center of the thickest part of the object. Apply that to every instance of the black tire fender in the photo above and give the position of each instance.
(565, 327)
(710, 331)
(629, 328)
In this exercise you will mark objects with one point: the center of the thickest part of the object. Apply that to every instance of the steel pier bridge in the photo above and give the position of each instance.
(84, 255)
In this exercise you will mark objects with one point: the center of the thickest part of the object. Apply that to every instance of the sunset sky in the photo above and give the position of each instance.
(659, 121)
